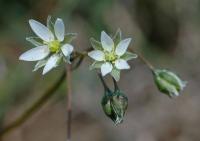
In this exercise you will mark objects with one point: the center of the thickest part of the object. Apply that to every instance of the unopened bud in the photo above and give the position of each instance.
(168, 82)
(114, 105)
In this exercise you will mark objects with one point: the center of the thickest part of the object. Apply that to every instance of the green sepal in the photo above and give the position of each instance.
(36, 41)
(119, 104)
(115, 74)
(96, 65)
(129, 55)
(61, 56)
(69, 37)
(117, 37)
(106, 103)
(50, 23)
(96, 44)
(40, 64)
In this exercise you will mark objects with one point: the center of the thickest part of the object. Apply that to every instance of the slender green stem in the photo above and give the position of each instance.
(146, 62)
(103, 82)
(115, 84)
(151, 67)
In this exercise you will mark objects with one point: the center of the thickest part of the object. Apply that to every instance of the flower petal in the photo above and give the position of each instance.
(122, 46)
(51, 63)
(97, 55)
(59, 29)
(121, 64)
(41, 31)
(35, 54)
(107, 42)
(106, 68)
(67, 49)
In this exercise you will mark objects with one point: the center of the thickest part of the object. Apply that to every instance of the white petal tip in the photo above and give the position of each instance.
(30, 21)
(67, 49)
(59, 28)
(106, 68)
(121, 64)
(43, 73)
(23, 58)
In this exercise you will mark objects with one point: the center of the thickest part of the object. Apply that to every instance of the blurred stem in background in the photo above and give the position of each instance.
(69, 101)
(44, 98)
(40, 102)
(34, 107)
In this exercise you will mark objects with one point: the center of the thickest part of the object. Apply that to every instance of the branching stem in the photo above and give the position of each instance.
(151, 67)
(44, 98)
(38, 103)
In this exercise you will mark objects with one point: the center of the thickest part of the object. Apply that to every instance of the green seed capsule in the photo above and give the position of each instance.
(168, 82)
(114, 105)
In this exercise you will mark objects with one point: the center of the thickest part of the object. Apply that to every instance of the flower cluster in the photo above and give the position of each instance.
(111, 55)
(52, 44)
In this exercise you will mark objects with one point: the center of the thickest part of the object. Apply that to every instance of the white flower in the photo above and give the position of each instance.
(111, 55)
(52, 44)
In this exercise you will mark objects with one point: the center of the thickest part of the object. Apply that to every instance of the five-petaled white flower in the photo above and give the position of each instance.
(111, 55)
(52, 44)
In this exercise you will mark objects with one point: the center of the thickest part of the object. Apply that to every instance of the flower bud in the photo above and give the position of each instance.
(168, 82)
(114, 105)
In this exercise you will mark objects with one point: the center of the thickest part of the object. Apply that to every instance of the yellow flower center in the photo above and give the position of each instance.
(110, 56)
(54, 46)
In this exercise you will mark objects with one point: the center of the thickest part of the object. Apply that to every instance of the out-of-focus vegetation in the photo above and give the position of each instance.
(166, 32)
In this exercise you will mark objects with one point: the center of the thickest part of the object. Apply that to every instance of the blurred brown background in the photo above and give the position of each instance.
(166, 32)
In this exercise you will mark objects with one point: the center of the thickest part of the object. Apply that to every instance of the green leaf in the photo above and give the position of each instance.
(40, 64)
(115, 74)
(96, 44)
(128, 56)
(96, 65)
(35, 41)
(117, 37)
(69, 37)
